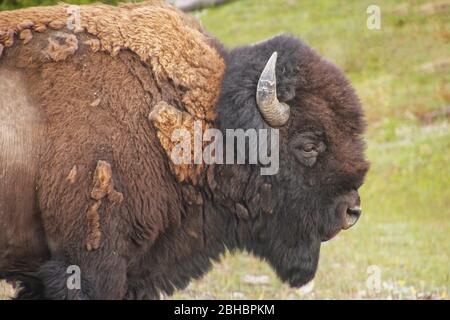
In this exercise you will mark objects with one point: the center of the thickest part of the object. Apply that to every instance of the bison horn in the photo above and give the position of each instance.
(276, 113)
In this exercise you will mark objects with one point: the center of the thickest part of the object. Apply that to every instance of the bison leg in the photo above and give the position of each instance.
(94, 277)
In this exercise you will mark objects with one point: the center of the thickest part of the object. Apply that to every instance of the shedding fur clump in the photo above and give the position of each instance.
(103, 187)
(61, 45)
(104, 184)
(26, 35)
(72, 175)
(167, 119)
(94, 235)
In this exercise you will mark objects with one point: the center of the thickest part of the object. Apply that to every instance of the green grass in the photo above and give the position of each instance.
(405, 229)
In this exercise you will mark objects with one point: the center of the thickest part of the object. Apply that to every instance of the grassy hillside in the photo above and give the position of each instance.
(402, 74)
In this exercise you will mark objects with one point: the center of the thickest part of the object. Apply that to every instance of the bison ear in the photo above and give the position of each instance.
(276, 113)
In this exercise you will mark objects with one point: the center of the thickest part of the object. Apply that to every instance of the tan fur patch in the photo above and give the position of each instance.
(167, 119)
(26, 35)
(104, 184)
(61, 45)
(103, 187)
(94, 236)
(72, 175)
(95, 103)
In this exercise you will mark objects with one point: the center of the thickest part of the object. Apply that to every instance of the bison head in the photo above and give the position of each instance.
(282, 83)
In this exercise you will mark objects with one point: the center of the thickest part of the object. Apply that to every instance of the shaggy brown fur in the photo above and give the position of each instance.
(20, 124)
(85, 120)
(171, 43)
(126, 60)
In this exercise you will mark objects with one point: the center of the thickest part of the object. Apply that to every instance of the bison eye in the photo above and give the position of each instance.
(306, 153)
(306, 147)
(309, 153)
(309, 148)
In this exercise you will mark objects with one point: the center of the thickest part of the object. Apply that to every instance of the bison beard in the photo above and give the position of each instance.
(100, 190)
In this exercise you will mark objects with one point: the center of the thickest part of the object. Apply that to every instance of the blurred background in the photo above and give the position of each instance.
(400, 248)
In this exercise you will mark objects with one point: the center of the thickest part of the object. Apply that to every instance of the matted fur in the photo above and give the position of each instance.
(92, 86)
(95, 175)
(171, 42)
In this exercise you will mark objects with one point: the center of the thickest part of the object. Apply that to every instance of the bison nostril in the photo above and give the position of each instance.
(351, 217)
(354, 211)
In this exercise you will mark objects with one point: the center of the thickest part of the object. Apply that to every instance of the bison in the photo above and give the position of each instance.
(90, 97)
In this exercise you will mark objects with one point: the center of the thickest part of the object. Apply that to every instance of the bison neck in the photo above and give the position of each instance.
(219, 221)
